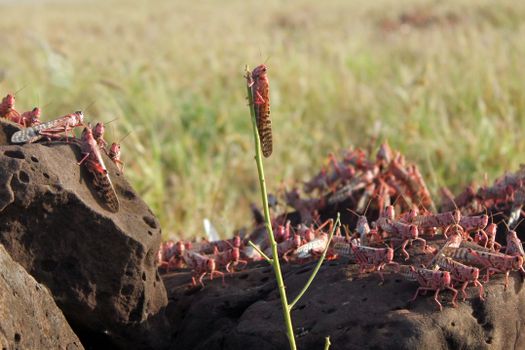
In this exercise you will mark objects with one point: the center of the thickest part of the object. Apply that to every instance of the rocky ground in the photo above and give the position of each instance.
(75, 275)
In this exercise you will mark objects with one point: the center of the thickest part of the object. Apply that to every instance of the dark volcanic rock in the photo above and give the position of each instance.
(7, 129)
(353, 310)
(29, 318)
(99, 266)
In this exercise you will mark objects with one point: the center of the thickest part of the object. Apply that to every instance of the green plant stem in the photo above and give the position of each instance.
(319, 263)
(268, 225)
(327, 343)
(260, 252)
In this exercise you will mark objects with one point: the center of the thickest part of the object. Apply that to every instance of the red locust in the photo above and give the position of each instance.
(8, 111)
(261, 102)
(487, 238)
(313, 248)
(31, 117)
(365, 256)
(95, 165)
(229, 258)
(170, 255)
(407, 233)
(285, 248)
(98, 135)
(492, 262)
(430, 280)
(114, 154)
(460, 273)
(514, 246)
(52, 128)
(201, 265)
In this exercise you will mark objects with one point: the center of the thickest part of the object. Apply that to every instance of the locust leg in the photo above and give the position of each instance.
(83, 159)
(454, 304)
(403, 249)
(244, 262)
(220, 274)
(481, 291)
(200, 279)
(463, 292)
(435, 295)
(379, 268)
(436, 299)
(259, 100)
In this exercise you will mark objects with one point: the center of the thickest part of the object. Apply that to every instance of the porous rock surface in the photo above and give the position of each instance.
(99, 266)
(29, 318)
(350, 308)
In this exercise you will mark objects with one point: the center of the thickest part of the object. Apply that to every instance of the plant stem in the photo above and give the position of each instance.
(254, 246)
(319, 263)
(268, 225)
(327, 343)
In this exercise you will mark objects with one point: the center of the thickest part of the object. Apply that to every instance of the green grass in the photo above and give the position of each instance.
(450, 95)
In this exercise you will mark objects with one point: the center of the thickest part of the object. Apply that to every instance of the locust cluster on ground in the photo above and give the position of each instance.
(91, 143)
(392, 208)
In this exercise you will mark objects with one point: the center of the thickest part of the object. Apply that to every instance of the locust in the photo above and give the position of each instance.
(376, 258)
(51, 128)
(7, 109)
(460, 273)
(95, 165)
(261, 102)
(114, 154)
(492, 262)
(31, 118)
(201, 265)
(429, 280)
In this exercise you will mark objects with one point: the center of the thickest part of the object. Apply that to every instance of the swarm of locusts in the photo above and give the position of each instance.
(91, 143)
(456, 247)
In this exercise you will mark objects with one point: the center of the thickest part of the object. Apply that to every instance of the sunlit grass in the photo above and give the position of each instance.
(448, 92)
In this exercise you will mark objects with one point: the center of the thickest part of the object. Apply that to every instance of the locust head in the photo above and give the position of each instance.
(384, 153)
(79, 118)
(35, 116)
(98, 130)
(445, 278)
(491, 230)
(362, 226)
(484, 220)
(259, 72)
(237, 241)
(8, 101)
(474, 274)
(114, 151)
(179, 248)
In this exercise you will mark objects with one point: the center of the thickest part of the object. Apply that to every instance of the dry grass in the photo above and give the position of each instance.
(442, 81)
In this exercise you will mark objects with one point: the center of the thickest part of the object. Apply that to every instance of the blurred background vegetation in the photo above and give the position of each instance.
(442, 81)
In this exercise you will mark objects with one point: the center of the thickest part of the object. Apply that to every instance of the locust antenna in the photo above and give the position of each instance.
(111, 121)
(22, 88)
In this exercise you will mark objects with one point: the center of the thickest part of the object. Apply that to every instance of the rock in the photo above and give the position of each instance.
(353, 310)
(7, 128)
(29, 318)
(99, 266)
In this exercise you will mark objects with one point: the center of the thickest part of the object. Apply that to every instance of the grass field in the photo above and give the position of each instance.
(441, 81)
